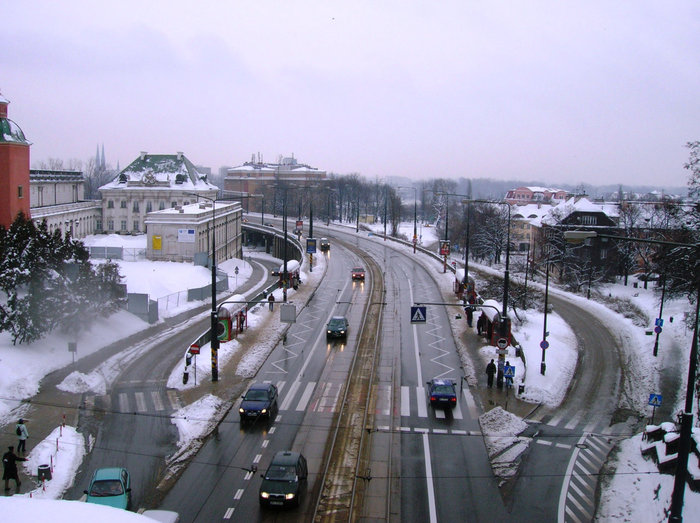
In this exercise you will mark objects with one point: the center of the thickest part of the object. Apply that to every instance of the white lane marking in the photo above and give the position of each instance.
(429, 480)
(460, 432)
(383, 428)
(457, 412)
(248, 475)
(561, 509)
(572, 516)
(440, 413)
(439, 431)
(228, 513)
(421, 430)
(306, 396)
(123, 402)
(556, 419)
(384, 395)
(172, 398)
(280, 386)
(574, 421)
(405, 429)
(140, 401)
(257, 458)
(238, 494)
(157, 402)
(562, 445)
(290, 395)
(543, 442)
(272, 429)
(405, 401)
(471, 404)
(420, 396)
(265, 443)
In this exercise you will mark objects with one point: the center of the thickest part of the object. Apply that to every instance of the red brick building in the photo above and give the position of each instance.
(14, 168)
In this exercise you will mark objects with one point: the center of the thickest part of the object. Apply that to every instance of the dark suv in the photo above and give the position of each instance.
(284, 481)
(325, 244)
(443, 393)
(337, 327)
(259, 401)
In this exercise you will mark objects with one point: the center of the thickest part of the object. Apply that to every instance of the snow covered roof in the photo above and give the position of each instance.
(161, 170)
(50, 175)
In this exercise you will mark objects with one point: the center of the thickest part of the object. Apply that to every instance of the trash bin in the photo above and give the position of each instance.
(635, 285)
(44, 473)
(521, 389)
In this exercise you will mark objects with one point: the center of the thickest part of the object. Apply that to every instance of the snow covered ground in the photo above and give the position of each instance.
(637, 493)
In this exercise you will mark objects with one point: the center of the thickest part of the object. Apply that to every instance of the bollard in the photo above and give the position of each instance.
(56, 444)
(64, 420)
(51, 463)
(60, 431)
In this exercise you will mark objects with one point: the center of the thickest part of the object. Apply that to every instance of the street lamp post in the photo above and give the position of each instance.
(545, 344)
(680, 478)
(214, 316)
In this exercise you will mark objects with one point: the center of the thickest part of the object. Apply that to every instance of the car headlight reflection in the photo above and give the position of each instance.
(264, 495)
(289, 496)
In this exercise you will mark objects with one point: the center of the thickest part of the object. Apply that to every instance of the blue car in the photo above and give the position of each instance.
(443, 393)
(259, 401)
(111, 487)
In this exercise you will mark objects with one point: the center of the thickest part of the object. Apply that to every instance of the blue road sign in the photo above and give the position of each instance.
(659, 322)
(544, 344)
(418, 314)
(657, 330)
(509, 372)
(310, 245)
(655, 400)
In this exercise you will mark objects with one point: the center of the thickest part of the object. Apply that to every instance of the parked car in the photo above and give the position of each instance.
(325, 244)
(443, 393)
(358, 273)
(110, 486)
(337, 327)
(259, 401)
(284, 481)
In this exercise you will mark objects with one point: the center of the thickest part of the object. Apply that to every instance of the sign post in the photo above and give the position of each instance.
(654, 401)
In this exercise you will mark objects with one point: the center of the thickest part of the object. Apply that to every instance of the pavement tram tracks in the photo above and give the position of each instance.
(341, 493)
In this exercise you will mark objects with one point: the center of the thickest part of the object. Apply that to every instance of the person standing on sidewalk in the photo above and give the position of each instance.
(490, 371)
(23, 434)
(271, 301)
(9, 468)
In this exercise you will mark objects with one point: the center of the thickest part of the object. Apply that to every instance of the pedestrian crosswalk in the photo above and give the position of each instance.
(133, 401)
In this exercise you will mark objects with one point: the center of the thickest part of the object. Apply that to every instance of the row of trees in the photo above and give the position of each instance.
(47, 282)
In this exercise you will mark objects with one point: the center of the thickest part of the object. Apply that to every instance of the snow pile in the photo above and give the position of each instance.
(78, 382)
(63, 449)
(197, 419)
(500, 429)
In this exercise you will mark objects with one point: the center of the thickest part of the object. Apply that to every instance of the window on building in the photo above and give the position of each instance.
(149, 206)
(123, 204)
(123, 225)
(135, 207)
(136, 226)
(110, 204)
(173, 205)
(603, 254)
(110, 225)
(161, 206)
(20, 191)
(98, 225)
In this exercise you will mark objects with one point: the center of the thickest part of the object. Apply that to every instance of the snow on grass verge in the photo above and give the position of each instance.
(504, 446)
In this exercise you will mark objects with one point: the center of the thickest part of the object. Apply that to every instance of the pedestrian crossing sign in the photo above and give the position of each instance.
(418, 314)
(509, 372)
(655, 400)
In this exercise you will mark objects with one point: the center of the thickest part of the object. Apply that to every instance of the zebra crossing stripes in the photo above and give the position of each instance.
(130, 402)
(577, 498)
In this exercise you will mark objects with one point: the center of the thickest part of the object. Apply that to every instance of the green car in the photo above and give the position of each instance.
(111, 487)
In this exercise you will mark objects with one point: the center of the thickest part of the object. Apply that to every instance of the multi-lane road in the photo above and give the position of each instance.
(422, 465)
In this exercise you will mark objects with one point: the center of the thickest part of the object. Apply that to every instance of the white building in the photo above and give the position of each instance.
(180, 233)
(152, 182)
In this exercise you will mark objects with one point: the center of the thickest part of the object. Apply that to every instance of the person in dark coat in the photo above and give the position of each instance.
(490, 371)
(499, 374)
(9, 464)
(480, 324)
(271, 301)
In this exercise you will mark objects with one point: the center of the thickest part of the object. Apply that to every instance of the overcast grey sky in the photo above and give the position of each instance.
(563, 92)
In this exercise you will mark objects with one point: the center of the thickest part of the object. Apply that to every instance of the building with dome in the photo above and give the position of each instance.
(14, 169)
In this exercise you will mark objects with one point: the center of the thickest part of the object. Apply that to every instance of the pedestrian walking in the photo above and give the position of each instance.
(23, 434)
(480, 324)
(470, 314)
(499, 375)
(271, 301)
(490, 371)
(9, 468)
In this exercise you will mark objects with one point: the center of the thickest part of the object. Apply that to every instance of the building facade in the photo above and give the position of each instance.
(152, 182)
(181, 233)
(259, 178)
(14, 169)
(523, 195)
